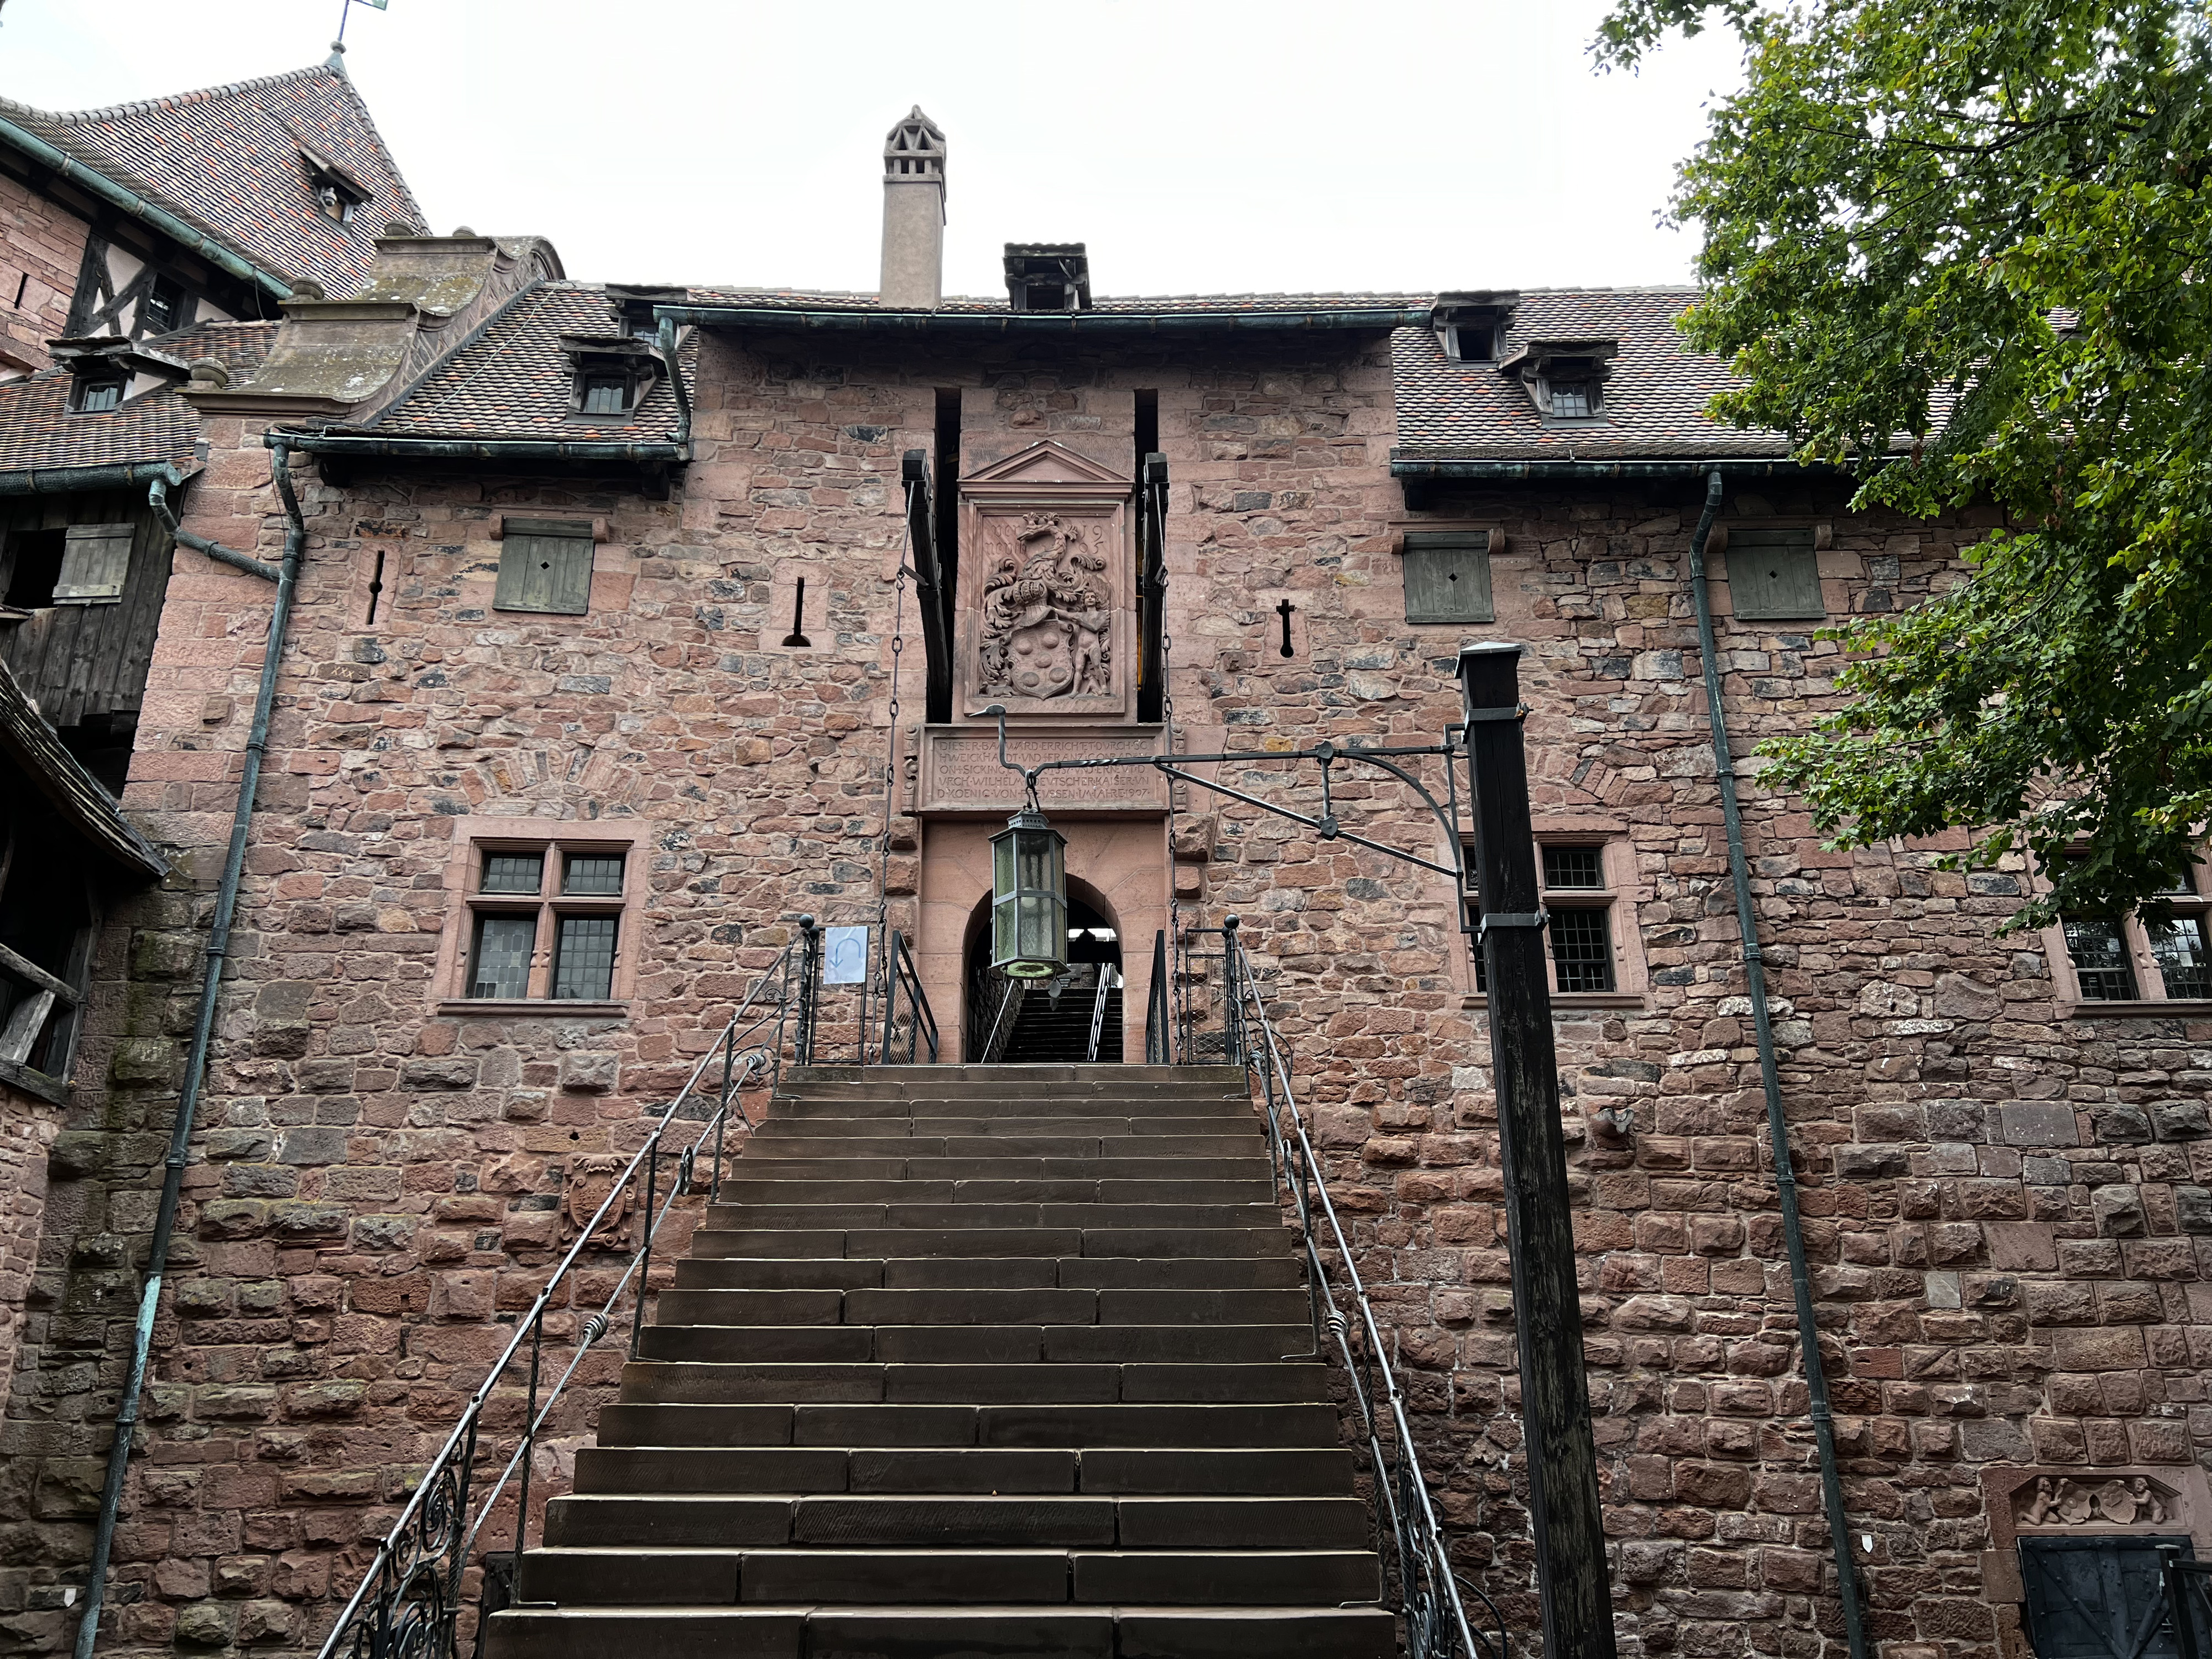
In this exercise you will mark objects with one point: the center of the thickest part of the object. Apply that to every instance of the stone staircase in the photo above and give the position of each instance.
(997, 1361)
(1048, 1032)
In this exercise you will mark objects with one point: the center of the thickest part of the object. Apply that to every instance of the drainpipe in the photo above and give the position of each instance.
(157, 497)
(218, 947)
(1778, 1128)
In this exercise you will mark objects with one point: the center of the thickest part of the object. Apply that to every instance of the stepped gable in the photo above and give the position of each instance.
(37, 430)
(235, 161)
(1012, 1359)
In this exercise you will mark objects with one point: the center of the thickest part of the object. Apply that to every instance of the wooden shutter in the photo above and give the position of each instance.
(544, 565)
(96, 559)
(1448, 577)
(1774, 574)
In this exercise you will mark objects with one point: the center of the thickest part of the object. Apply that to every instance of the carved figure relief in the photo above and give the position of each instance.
(590, 1178)
(1048, 617)
(1047, 620)
(2056, 1501)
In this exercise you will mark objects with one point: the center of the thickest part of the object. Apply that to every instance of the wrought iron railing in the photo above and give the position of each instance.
(409, 1604)
(994, 1005)
(1432, 1596)
(914, 1022)
(1098, 1009)
(1159, 1009)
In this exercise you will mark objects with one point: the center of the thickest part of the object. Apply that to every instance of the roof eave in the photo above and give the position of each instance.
(1378, 319)
(130, 202)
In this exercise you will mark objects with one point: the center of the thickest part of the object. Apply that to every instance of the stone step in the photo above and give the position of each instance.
(1005, 1242)
(1131, 1212)
(602, 1576)
(1002, 1098)
(668, 1381)
(1235, 1471)
(989, 1272)
(767, 1632)
(978, 1344)
(1087, 1144)
(971, 1306)
(1076, 1427)
(764, 1162)
(755, 1187)
(722, 1520)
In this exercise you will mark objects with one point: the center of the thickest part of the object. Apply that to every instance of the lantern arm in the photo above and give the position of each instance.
(1327, 754)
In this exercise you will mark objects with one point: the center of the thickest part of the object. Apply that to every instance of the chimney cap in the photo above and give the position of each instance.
(914, 150)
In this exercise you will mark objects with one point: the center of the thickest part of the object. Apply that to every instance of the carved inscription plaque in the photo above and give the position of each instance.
(961, 773)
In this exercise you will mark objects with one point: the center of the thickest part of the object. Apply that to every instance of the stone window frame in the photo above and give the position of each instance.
(476, 836)
(2150, 998)
(1621, 898)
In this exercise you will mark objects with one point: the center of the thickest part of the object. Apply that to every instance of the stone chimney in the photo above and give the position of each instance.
(914, 216)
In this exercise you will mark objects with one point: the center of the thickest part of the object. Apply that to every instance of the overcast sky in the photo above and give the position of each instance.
(1198, 146)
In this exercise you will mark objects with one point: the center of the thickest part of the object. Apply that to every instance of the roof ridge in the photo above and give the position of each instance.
(171, 100)
(384, 150)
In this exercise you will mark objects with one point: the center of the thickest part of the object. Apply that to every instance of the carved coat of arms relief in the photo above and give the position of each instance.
(1047, 627)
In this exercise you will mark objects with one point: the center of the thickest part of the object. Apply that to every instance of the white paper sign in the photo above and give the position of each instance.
(844, 956)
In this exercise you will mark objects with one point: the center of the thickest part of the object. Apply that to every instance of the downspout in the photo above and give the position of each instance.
(1777, 1127)
(664, 342)
(180, 1135)
(157, 497)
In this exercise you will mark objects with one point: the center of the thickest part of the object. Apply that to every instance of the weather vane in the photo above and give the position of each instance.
(345, 10)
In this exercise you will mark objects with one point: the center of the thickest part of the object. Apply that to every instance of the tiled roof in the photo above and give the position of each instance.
(785, 299)
(1654, 403)
(37, 430)
(512, 379)
(232, 159)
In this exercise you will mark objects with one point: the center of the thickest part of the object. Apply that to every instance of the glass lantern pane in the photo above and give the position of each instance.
(1035, 859)
(1002, 929)
(1002, 865)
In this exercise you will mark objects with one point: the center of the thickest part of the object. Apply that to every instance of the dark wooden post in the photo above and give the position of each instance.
(1547, 1322)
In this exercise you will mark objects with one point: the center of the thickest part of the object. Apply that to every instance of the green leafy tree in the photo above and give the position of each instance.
(1960, 248)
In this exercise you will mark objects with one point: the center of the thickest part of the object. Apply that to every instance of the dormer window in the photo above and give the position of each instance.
(606, 394)
(1573, 388)
(613, 373)
(337, 194)
(633, 304)
(1471, 327)
(1565, 377)
(97, 394)
(1047, 276)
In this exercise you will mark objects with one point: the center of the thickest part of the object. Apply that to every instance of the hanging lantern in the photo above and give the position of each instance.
(1028, 897)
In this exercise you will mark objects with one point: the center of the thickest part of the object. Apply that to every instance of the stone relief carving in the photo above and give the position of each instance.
(2059, 1502)
(1048, 617)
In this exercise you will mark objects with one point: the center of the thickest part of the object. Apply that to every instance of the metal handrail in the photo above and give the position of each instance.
(1430, 1601)
(1098, 1009)
(921, 1021)
(409, 1600)
(1159, 1016)
(995, 1004)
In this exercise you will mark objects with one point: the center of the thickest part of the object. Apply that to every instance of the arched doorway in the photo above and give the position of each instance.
(1074, 1016)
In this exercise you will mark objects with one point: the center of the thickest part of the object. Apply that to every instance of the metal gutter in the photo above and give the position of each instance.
(157, 497)
(1585, 470)
(70, 480)
(471, 449)
(1042, 322)
(180, 1134)
(139, 208)
(1777, 1123)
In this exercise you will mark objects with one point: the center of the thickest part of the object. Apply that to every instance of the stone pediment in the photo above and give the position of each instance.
(1047, 463)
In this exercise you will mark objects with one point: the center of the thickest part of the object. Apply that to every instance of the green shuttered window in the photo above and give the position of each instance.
(1774, 574)
(96, 560)
(1448, 577)
(545, 564)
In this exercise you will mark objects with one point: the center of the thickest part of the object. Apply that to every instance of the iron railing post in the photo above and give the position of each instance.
(809, 942)
(645, 1267)
(529, 1442)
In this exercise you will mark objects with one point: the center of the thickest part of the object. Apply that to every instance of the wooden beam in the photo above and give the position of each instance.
(1563, 1501)
(24, 968)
